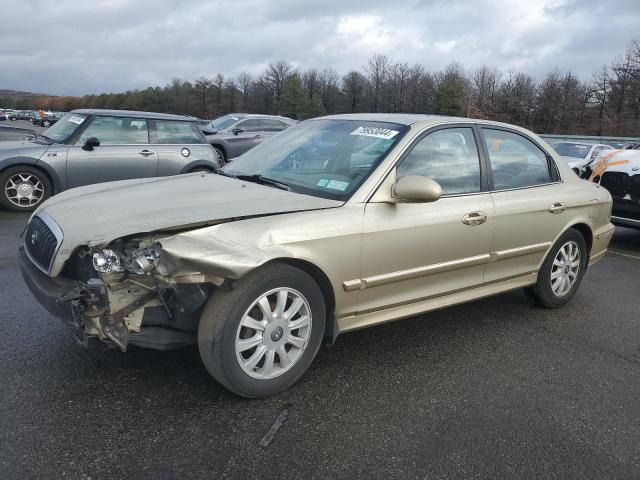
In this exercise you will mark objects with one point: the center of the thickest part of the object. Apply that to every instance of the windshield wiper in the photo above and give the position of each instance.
(46, 139)
(257, 178)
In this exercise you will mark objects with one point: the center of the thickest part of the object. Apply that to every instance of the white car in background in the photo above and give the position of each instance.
(619, 172)
(579, 155)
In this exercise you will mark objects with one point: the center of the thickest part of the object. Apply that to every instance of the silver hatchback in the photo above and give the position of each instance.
(95, 146)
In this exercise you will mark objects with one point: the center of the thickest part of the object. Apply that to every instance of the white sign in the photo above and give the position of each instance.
(375, 132)
(74, 119)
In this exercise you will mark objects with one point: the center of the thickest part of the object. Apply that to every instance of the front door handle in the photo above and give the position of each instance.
(474, 218)
(146, 153)
(557, 207)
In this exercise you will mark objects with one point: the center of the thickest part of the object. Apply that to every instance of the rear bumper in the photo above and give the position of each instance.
(601, 239)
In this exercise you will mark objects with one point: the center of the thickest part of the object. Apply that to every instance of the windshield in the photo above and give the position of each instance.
(223, 122)
(324, 158)
(576, 150)
(64, 128)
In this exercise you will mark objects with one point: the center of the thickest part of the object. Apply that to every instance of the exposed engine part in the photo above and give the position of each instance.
(114, 326)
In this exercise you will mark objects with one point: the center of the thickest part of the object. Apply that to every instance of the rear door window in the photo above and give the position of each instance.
(269, 125)
(516, 161)
(174, 132)
(252, 125)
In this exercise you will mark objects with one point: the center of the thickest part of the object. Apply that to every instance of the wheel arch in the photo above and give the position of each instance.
(50, 173)
(199, 163)
(586, 232)
(220, 146)
(331, 330)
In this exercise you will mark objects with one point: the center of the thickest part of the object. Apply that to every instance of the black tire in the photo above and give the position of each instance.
(46, 123)
(220, 325)
(542, 291)
(222, 158)
(9, 173)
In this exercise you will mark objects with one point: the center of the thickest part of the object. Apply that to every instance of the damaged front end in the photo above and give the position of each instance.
(118, 295)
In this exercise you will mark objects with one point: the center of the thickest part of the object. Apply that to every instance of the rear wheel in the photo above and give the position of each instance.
(23, 188)
(562, 271)
(46, 123)
(259, 337)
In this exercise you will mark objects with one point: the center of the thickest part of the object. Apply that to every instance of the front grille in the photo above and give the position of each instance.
(616, 182)
(40, 243)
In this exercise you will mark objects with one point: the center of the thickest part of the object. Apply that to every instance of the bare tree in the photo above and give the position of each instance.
(377, 70)
(244, 81)
(276, 75)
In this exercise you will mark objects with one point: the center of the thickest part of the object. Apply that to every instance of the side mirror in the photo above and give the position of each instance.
(416, 188)
(209, 131)
(236, 131)
(91, 143)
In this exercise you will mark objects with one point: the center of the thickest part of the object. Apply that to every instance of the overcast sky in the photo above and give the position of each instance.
(75, 47)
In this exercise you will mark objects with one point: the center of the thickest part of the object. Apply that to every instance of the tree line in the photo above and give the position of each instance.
(606, 104)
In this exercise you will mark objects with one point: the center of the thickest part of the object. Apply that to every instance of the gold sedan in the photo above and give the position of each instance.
(335, 224)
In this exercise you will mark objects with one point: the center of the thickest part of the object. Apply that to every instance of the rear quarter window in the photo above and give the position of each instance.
(174, 132)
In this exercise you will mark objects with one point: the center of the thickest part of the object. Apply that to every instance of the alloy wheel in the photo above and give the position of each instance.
(273, 333)
(24, 189)
(565, 268)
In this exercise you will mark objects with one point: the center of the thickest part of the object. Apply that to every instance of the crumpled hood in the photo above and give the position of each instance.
(21, 148)
(97, 214)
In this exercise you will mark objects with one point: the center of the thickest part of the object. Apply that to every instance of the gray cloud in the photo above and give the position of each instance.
(76, 47)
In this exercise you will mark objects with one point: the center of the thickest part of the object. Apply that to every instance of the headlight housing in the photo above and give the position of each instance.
(142, 261)
(139, 261)
(107, 261)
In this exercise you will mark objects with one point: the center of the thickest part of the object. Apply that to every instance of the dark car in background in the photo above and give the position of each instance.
(48, 119)
(95, 146)
(24, 115)
(234, 134)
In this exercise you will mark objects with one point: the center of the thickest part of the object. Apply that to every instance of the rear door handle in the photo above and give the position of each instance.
(146, 153)
(474, 218)
(557, 207)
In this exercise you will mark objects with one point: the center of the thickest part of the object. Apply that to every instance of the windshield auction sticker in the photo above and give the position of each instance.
(74, 119)
(375, 132)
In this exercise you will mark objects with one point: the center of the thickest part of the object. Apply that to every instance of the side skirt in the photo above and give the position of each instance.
(354, 322)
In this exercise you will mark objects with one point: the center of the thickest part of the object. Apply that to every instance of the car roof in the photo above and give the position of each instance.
(133, 113)
(256, 115)
(423, 120)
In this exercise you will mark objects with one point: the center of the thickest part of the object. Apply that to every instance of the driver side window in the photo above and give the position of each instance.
(448, 156)
(116, 131)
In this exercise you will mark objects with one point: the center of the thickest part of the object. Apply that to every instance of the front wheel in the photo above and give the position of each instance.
(46, 123)
(259, 337)
(562, 271)
(23, 188)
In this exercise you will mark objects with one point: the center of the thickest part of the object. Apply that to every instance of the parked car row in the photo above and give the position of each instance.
(41, 118)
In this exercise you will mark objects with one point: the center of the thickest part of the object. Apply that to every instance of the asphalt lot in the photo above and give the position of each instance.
(497, 388)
